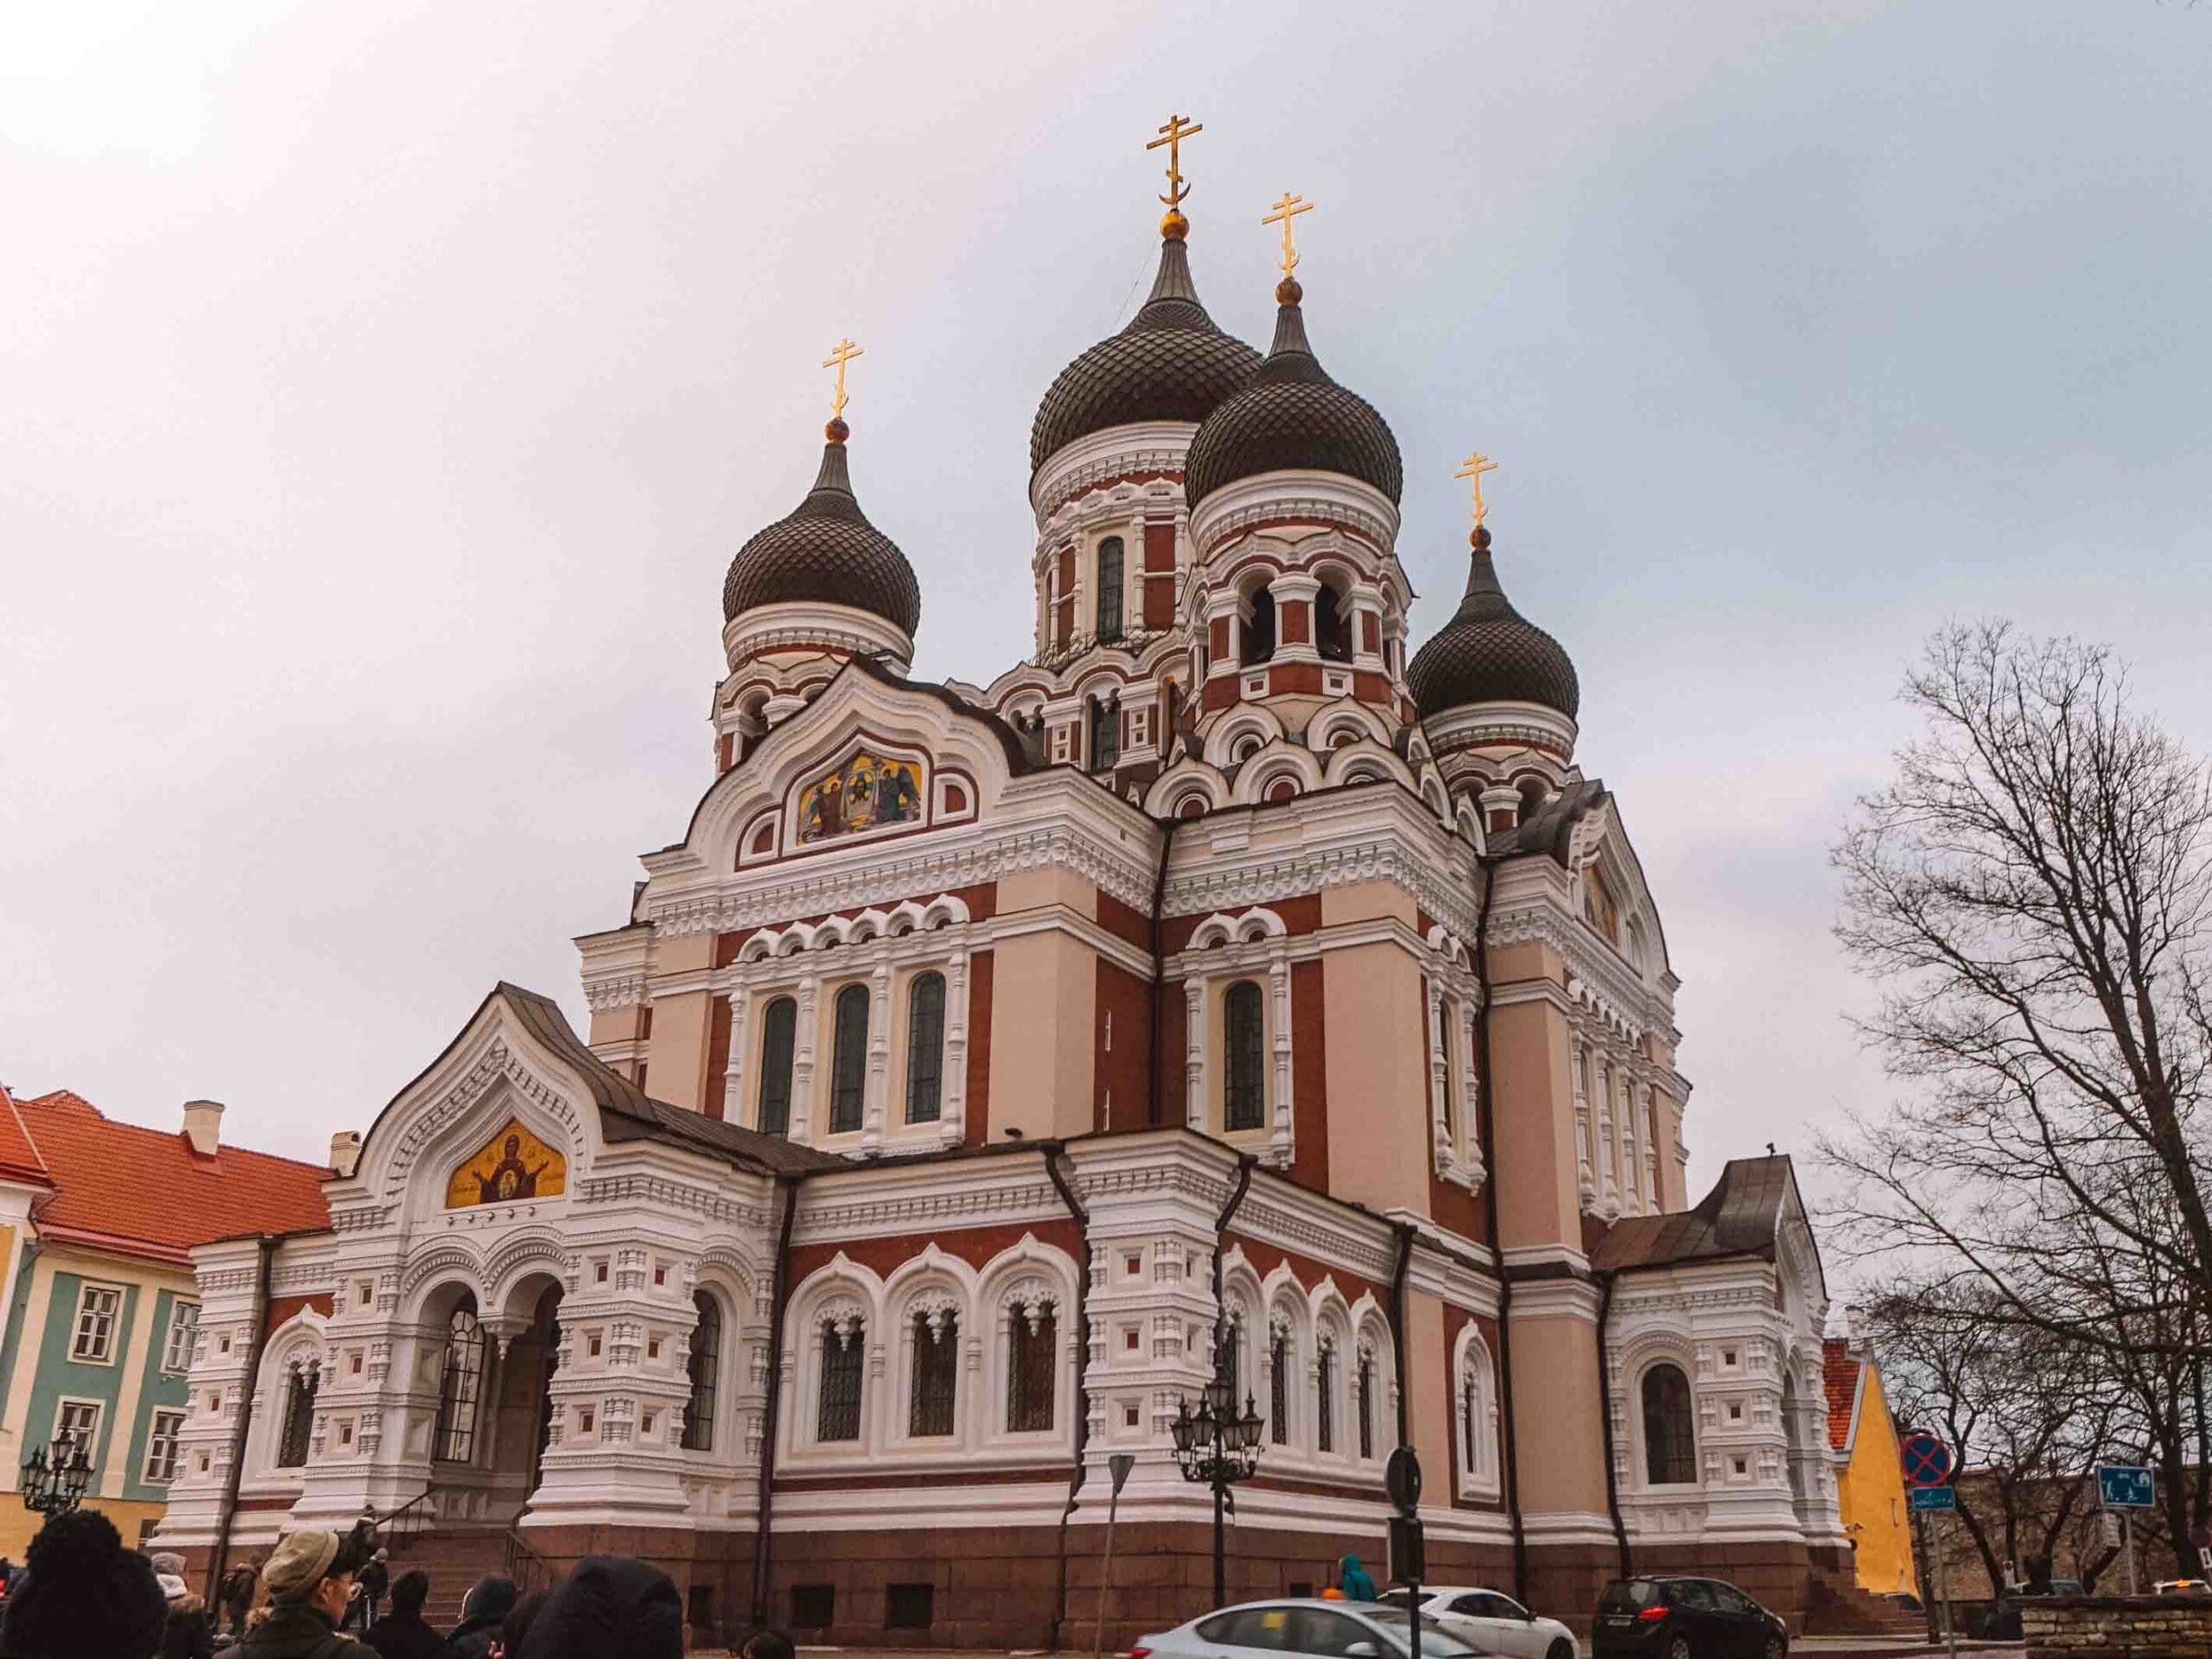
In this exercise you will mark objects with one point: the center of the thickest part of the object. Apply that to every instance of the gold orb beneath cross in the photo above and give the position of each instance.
(1173, 227)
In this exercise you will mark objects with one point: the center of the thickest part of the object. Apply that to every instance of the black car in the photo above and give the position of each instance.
(1667, 1617)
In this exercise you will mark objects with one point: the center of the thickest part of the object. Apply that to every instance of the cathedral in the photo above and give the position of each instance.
(1238, 988)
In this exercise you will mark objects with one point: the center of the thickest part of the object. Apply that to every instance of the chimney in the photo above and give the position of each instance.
(203, 1124)
(345, 1152)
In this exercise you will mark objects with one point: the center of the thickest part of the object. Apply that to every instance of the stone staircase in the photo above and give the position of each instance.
(454, 1560)
(1835, 1606)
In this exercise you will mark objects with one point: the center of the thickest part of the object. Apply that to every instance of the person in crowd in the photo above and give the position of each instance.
(7, 1574)
(374, 1580)
(236, 1592)
(310, 1578)
(481, 1613)
(767, 1643)
(610, 1608)
(401, 1633)
(189, 1634)
(82, 1595)
(1353, 1579)
(517, 1623)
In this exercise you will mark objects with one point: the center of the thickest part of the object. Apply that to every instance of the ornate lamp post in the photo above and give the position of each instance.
(54, 1481)
(1217, 1444)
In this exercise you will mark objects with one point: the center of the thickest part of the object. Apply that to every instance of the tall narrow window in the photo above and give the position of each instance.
(460, 1386)
(299, 1418)
(1260, 628)
(1332, 636)
(848, 1064)
(1451, 1086)
(779, 1026)
(706, 1369)
(937, 1372)
(1110, 589)
(1247, 1088)
(1669, 1441)
(1474, 1415)
(924, 1048)
(1366, 1386)
(1105, 722)
(839, 1418)
(161, 1447)
(1324, 1396)
(1278, 1387)
(1033, 1335)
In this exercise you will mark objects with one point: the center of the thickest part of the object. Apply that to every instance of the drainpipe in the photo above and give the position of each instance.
(780, 1300)
(1244, 1165)
(1053, 1150)
(220, 1557)
(1605, 1415)
(1159, 968)
(1481, 954)
(1405, 1231)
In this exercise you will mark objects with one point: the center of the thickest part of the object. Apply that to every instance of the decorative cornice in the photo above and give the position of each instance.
(1236, 887)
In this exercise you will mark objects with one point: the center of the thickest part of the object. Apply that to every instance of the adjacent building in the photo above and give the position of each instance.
(100, 1221)
(1869, 1472)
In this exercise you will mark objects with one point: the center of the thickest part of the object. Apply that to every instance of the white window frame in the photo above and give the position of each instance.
(184, 1322)
(85, 1292)
(98, 1409)
(155, 1441)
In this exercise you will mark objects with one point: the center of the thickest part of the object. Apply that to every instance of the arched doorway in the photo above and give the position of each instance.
(521, 1397)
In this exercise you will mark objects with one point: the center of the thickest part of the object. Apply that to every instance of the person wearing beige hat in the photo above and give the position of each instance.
(309, 1578)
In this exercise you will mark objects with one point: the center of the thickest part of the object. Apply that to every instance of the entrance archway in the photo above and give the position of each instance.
(521, 1399)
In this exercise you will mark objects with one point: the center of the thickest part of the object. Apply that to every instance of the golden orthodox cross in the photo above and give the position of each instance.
(845, 353)
(1177, 129)
(1287, 208)
(1473, 468)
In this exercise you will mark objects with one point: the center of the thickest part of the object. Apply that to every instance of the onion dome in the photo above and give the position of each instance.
(1489, 652)
(1291, 418)
(826, 553)
(1170, 364)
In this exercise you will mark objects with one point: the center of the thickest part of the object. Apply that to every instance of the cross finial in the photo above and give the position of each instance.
(1288, 207)
(1473, 468)
(843, 353)
(1178, 128)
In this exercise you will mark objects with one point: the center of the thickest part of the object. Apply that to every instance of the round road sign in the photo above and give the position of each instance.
(1402, 1479)
(1926, 1459)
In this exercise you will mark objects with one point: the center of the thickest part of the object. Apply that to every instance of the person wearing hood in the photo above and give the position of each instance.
(610, 1608)
(1353, 1579)
(81, 1595)
(481, 1613)
(401, 1633)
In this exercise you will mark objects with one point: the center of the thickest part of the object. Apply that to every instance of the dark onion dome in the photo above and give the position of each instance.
(1489, 652)
(1170, 364)
(1291, 418)
(826, 553)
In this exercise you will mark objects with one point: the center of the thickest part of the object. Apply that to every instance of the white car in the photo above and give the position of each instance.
(1329, 1630)
(1490, 1623)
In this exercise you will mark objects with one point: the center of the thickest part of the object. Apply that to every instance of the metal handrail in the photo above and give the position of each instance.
(404, 1524)
(526, 1568)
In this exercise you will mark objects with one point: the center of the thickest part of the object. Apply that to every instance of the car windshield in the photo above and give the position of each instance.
(1434, 1641)
(1626, 1595)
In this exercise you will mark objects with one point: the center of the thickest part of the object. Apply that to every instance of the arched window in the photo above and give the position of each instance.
(1105, 721)
(779, 1025)
(1325, 1394)
(1279, 1383)
(460, 1386)
(1247, 1086)
(1451, 1074)
(839, 1415)
(1332, 629)
(1110, 589)
(1476, 1447)
(1032, 1334)
(1260, 628)
(1669, 1438)
(849, 1062)
(299, 1417)
(706, 1368)
(937, 1372)
(924, 1048)
(1366, 1401)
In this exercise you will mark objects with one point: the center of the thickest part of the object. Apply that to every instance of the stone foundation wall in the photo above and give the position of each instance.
(2117, 1627)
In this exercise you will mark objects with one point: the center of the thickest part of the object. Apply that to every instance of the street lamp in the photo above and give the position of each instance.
(54, 1483)
(1217, 1445)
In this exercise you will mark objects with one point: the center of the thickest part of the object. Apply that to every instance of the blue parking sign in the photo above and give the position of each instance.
(1922, 1499)
(2125, 1486)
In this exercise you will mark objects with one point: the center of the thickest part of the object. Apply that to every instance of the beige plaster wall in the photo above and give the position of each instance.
(1534, 1122)
(1367, 901)
(1377, 1055)
(677, 1057)
(616, 1025)
(1556, 1414)
(1043, 1004)
(1427, 1364)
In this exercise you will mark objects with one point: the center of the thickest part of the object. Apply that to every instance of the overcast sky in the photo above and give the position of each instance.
(384, 388)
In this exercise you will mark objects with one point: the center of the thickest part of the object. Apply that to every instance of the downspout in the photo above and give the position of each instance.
(1481, 954)
(1053, 1149)
(1244, 1165)
(1605, 1415)
(220, 1557)
(1159, 969)
(780, 1300)
(1405, 1231)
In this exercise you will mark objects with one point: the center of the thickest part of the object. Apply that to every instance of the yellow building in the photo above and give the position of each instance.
(1869, 1474)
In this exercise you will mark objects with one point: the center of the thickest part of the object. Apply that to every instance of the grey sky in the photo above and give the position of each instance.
(386, 388)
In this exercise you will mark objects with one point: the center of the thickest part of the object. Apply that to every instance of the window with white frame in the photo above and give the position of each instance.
(1032, 1343)
(79, 1422)
(99, 1308)
(184, 1329)
(1478, 1415)
(161, 1447)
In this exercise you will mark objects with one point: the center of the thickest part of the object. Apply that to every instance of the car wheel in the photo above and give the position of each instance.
(1774, 1647)
(1678, 1647)
(1561, 1648)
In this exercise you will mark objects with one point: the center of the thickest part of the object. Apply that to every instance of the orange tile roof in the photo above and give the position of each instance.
(1840, 1381)
(146, 1192)
(19, 1154)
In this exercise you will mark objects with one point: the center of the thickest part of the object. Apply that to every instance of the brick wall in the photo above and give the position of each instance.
(2117, 1627)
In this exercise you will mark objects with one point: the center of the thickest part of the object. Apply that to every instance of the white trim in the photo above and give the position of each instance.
(84, 1290)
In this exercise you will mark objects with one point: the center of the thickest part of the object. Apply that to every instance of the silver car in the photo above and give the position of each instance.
(1330, 1630)
(1492, 1623)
